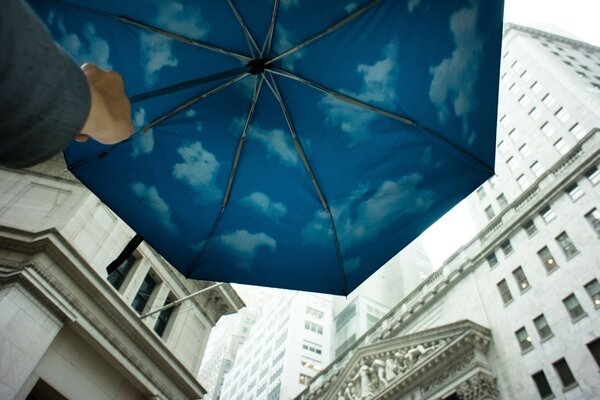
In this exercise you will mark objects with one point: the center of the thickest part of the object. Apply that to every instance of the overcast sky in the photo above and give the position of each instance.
(578, 19)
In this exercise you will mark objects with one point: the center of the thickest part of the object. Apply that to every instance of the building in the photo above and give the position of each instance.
(287, 346)
(515, 313)
(69, 331)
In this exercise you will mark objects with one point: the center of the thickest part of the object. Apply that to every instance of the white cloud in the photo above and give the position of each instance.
(285, 40)
(148, 196)
(246, 245)
(350, 7)
(142, 143)
(412, 4)
(287, 4)
(277, 144)
(261, 203)
(92, 48)
(453, 84)
(362, 218)
(198, 169)
(379, 82)
(156, 50)
(190, 113)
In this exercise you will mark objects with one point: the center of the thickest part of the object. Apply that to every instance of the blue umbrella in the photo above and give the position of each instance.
(295, 143)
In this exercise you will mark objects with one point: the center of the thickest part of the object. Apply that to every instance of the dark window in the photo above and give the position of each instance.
(593, 218)
(117, 277)
(142, 296)
(564, 372)
(547, 214)
(594, 348)
(542, 327)
(524, 339)
(593, 174)
(492, 259)
(506, 247)
(566, 244)
(504, 291)
(502, 201)
(573, 307)
(547, 259)
(542, 384)
(530, 228)
(489, 212)
(521, 279)
(163, 318)
(593, 289)
(574, 192)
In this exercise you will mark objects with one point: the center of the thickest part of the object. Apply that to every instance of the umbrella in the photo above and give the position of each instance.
(288, 143)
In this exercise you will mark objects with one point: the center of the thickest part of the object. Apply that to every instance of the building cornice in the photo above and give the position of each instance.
(547, 35)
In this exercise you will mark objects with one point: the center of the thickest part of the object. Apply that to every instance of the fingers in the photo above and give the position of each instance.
(82, 137)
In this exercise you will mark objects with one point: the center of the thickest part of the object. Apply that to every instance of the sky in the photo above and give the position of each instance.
(577, 19)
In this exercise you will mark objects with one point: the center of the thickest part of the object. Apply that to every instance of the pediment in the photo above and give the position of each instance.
(402, 362)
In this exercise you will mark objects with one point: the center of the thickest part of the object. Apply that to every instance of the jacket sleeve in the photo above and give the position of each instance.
(44, 96)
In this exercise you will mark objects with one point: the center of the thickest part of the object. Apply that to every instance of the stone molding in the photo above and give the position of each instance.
(478, 387)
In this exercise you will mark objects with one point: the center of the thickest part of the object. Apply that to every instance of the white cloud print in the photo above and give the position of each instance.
(285, 40)
(157, 50)
(277, 143)
(143, 142)
(453, 84)
(198, 169)
(89, 47)
(379, 82)
(261, 203)
(149, 196)
(362, 218)
(245, 245)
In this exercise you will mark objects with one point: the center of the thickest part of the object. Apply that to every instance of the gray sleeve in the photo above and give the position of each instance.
(44, 96)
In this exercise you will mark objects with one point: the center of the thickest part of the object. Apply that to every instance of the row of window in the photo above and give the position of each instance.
(562, 369)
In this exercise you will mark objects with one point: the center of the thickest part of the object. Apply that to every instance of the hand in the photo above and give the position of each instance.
(109, 119)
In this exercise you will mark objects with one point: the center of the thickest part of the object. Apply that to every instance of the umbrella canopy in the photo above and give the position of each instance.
(295, 143)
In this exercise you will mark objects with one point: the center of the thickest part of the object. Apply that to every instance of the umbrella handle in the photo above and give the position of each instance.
(127, 251)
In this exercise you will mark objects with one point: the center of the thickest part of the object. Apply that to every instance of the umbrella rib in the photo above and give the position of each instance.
(144, 26)
(370, 107)
(268, 40)
(327, 30)
(251, 42)
(309, 170)
(167, 115)
(238, 152)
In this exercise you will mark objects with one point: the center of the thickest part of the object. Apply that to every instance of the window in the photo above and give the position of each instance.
(537, 87)
(524, 101)
(481, 193)
(310, 363)
(506, 247)
(593, 289)
(344, 317)
(574, 191)
(566, 244)
(142, 296)
(489, 212)
(561, 146)
(312, 347)
(512, 163)
(524, 150)
(502, 200)
(515, 89)
(542, 327)
(577, 131)
(537, 169)
(493, 181)
(521, 279)
(514, 134)
(593, 174)
(526, 76)
(547, 214)
(304, 379)
(593, 218)
(564, 373)
(547, 128)
(313, 312)
(535, 114)
(492, 259)
(504, 292)
(502, 147)
(523, 181)
(517, 66)
(594, 348)
(547, 259)
(548, 100)
(163, 318)
(573, 307)
(542, 384)
(562, 115)
(505, 120)
(524, 339)
(530, 228)
(117, 277)
(311, 326)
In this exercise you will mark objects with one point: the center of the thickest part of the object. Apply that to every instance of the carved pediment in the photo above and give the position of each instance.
(396, 365)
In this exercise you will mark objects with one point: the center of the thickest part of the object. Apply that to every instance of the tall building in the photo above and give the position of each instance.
(515, 313)
(69, 331)
(287, 346)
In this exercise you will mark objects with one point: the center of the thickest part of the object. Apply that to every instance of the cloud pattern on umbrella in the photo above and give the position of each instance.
(384, 180)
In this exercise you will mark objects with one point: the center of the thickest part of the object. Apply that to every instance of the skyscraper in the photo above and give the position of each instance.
(514, 314)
